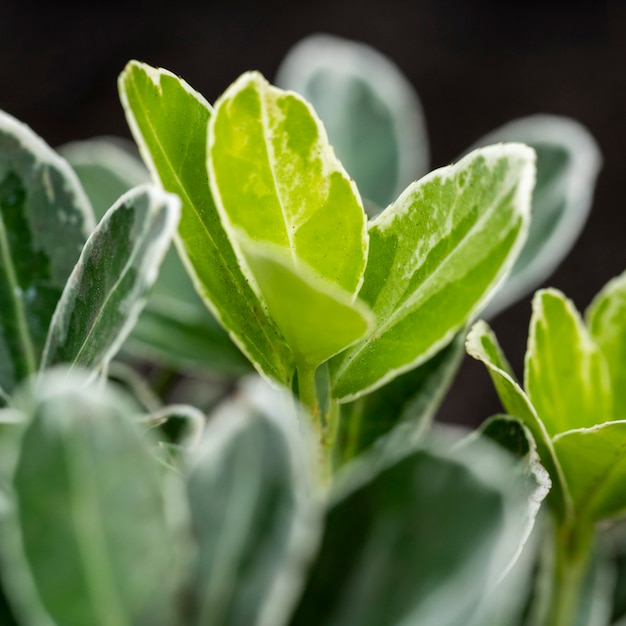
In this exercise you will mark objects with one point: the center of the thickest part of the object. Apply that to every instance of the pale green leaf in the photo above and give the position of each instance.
(372, 114)
(436, 255)
(44, 221)
(276, 180)
(91, 510)
(393, 551)
(253, 516)
(565, 374)
(107, 289)
(317, 318)
(606, 320)
(568, 162)
(594, 463)
(169, 121)
(483, 346)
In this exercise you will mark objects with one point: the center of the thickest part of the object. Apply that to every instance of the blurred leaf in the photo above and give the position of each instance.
(435, 256)
(568, 162)
(169, 121)
(44, 221)
(565, 374)
(408, 402)
(371, 112)
(107, 289)
(393, 551)
(606, 320)
(252, 517)
(91, 509)
(482, 345)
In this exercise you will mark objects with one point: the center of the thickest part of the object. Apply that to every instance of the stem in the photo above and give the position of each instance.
(572, 548)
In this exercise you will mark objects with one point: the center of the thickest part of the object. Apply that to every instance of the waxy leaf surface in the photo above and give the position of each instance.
(435, 256)
(250, 512)
(568, 162)
(565, 374)
(594, 462)
(97, 540)
(606, 320)
(371, 112)
(45, 218)
(483, 346)
(107, 289)
(169, 121)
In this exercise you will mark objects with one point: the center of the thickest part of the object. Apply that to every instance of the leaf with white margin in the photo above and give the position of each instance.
(568, 162)
(169, 121)
(594, 463)
(45, 218)
(276, 180)
(108, 287)
(99, 544)
(606, 320)
(254, 516)
(482, 345)
(372, 114)
(565, 374)
(436, 256)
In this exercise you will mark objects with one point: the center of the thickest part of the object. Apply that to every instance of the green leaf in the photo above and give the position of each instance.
(483, 346)
(393, 551)
(405, 406)
(565, 374)
(436, 255)
(568, 162)
(317, 318)
(44, 221)
(92, 511)
(106, 168)
(606, 320)
(169, 121)
(373, 116)
(594, 463)
(107, 289)
(253, 518)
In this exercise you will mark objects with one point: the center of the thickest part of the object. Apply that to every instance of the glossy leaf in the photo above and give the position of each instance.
(606, 320)
(106, 291)
(98, 543)
(594, 461)
(252, 518)
(372, 114)
(436, 255)
(169, 121)
(568, 162)
(405, 406)
(565, 374)
(44, 221)
(483, 346)
(393, 551)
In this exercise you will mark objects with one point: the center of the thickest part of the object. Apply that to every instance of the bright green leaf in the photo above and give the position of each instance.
(568, 162)
(252, 517)
(44, 221)
(405, 406)
(435, 257)
(606, 320)
(92, 511)
(393, 551)
(373, 116)
(565, 374)
(483, 346)
(594, 463)
(107, 289)
(169, 121)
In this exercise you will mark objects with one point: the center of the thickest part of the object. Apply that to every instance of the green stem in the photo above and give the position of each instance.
(572, 549)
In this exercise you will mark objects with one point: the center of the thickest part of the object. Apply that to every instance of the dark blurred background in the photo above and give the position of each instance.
(475, 65)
